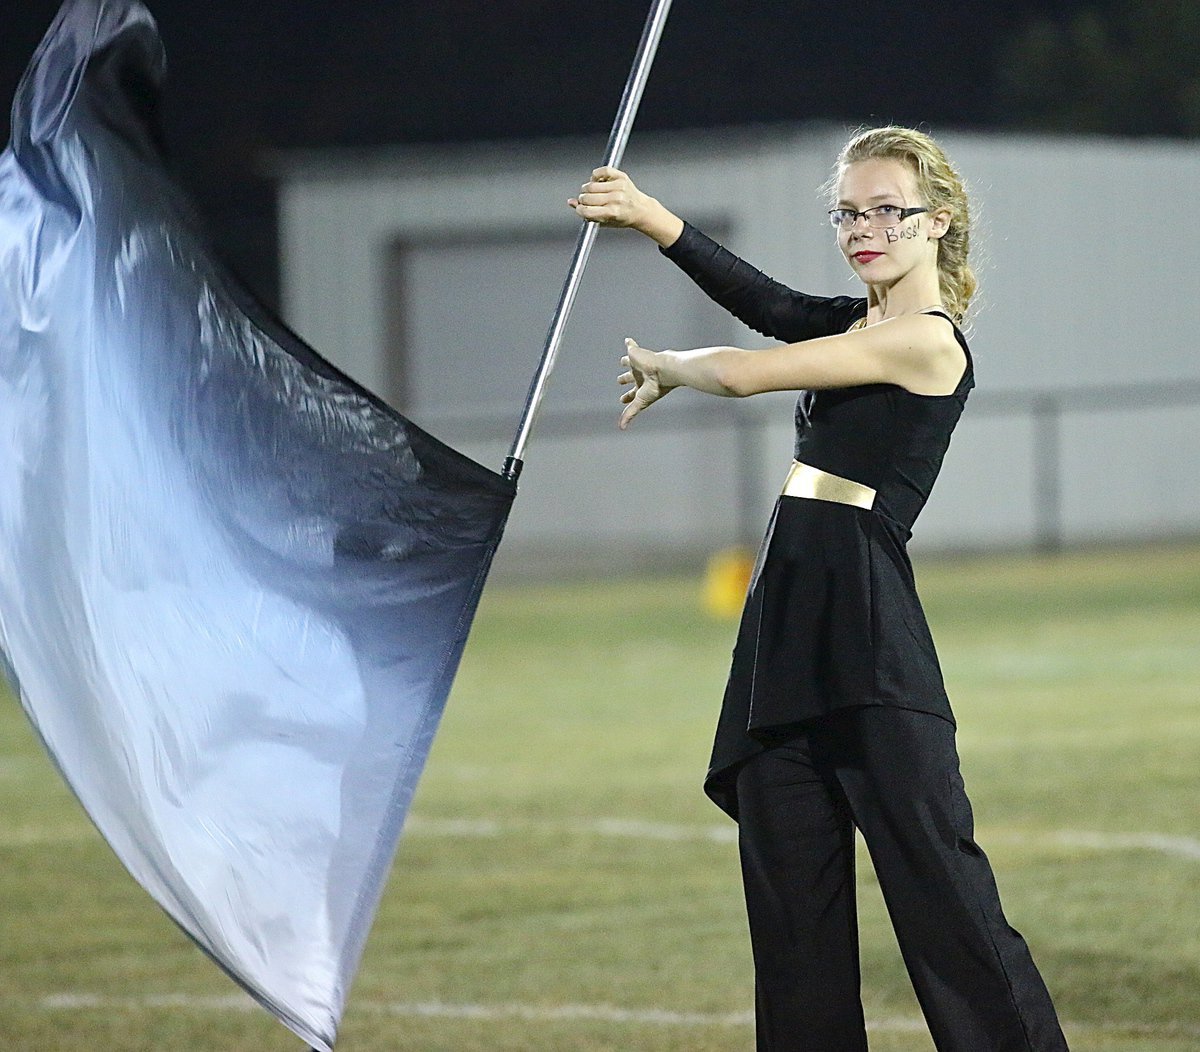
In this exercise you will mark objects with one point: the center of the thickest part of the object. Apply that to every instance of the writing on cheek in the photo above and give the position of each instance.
(905, 233)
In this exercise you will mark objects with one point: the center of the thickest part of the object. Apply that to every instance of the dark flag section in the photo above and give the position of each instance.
(234, 586)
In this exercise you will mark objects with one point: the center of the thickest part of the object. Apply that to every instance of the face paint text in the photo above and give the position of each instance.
(907, 233)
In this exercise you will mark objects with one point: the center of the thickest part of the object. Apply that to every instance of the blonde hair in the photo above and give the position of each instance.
(940, 186)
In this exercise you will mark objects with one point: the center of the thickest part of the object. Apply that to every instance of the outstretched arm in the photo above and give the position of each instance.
(764, 304)
(918, 352)
(610, 198)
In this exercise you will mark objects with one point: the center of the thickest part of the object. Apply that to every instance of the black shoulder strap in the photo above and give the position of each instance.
(968, 375)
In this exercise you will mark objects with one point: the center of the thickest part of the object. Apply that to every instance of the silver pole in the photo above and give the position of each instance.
(587, 234)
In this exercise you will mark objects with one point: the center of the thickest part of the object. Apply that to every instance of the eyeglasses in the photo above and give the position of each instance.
(880, 216)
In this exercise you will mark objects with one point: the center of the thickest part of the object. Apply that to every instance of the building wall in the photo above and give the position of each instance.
(430, 276)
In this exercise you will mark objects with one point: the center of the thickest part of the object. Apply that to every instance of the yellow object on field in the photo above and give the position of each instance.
(726, 580)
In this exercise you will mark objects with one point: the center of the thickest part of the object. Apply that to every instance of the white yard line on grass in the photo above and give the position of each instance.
(16, 767)
(26, 837)
(567, 1013)
(429, 1009)
(1183, 846)
(637, 829)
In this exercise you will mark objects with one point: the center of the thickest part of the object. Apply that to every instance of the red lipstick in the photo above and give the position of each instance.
(866, 257)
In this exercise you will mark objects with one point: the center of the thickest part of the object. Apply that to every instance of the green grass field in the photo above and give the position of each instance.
(564, 885)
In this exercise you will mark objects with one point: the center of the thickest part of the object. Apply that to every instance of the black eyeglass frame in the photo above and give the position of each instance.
(852, 216)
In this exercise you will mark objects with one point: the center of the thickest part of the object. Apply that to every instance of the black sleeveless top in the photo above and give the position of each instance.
(832, 619)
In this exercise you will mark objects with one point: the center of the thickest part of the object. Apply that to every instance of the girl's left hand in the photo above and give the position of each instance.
(643, 372)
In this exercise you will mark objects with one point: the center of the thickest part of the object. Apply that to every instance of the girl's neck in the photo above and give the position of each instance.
(884, 301)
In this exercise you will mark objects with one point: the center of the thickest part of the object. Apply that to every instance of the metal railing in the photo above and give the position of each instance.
(748, 423)
(1047, 409)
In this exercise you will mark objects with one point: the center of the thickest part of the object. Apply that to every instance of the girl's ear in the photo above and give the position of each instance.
(939, 222)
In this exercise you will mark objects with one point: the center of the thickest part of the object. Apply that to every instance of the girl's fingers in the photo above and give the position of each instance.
(632, 375)
(631, 411)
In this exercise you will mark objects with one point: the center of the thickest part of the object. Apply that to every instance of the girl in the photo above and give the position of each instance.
(835, 716)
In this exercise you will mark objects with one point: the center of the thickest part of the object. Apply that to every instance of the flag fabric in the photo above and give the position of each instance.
(234, 585)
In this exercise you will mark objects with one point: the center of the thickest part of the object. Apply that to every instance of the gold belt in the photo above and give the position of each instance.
(815, 484)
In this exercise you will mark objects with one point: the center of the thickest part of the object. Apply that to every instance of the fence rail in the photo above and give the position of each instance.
(749, 420)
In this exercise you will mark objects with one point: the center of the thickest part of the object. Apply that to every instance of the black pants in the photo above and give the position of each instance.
(894, 774)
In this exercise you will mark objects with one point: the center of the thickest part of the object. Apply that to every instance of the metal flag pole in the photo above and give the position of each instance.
(587, 234)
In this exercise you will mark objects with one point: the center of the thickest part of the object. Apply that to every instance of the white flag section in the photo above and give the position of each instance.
(234, 587)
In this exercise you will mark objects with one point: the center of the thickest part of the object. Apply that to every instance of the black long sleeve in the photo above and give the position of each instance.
(751, 296)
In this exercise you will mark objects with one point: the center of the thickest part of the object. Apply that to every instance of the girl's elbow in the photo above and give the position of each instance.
(733, 379)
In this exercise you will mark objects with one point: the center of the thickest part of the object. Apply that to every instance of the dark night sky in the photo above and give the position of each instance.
(248, 76)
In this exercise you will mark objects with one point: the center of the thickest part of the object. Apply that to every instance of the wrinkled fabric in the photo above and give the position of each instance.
(234, 586)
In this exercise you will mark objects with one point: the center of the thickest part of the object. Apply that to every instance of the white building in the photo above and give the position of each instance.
(430, 275)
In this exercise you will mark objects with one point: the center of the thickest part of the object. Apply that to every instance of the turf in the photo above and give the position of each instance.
(564, 885)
